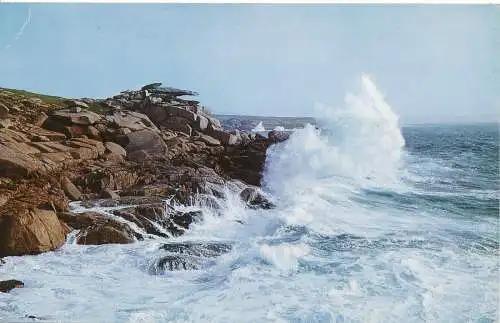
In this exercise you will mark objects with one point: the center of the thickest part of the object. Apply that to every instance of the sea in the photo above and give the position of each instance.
(374, 222)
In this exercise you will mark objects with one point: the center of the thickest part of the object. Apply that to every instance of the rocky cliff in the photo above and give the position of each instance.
(136, 148)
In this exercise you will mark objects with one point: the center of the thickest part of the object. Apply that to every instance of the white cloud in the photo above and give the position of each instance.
(26, 22)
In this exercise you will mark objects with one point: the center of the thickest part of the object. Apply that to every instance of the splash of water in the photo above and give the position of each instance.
(357, 144)
(259, 128)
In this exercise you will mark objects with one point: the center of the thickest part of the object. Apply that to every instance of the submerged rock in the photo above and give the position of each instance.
(198, 249)
(255, 199)
(8, 285)
(189, 256)
(179, 222)
(174, 263)
(149, 218)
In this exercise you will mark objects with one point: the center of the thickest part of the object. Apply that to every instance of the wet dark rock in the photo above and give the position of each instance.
(189, 255)
(198, 249)
(147, 217)
(276, 136)
(8, 285)
(208, 201)
(179, 222)
(175, 263)
(33, 317)
(255, 199)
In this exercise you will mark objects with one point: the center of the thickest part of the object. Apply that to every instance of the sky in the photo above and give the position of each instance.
(433, 63)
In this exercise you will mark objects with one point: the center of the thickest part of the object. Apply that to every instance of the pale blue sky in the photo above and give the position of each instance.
(433, 62)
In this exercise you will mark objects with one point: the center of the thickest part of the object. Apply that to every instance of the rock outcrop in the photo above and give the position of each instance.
(145, 144)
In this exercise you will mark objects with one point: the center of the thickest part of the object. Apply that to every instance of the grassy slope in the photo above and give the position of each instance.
(45, 98)
(52, 100)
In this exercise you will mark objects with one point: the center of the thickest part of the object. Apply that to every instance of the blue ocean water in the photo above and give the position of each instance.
(374, 223)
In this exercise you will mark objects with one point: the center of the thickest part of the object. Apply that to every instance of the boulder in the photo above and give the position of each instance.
(71, 190)
(27, 230)
(198, 249)
(255, 199)
(179, 222)
(225, 137)
(211, 141)
(14, 164)
(82, 118)
(188, 256)
(145, 140)
(8, 285)
(130, 120)
(114, 148)
(276, 136)
(245, 162)
(178, 262)
(109, 194)
(147, 217)
(107, 232)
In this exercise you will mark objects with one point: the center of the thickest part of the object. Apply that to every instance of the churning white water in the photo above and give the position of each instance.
(349, 241)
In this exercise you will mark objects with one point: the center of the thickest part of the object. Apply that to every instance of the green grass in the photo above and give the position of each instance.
(49, 99)
(53, 100)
